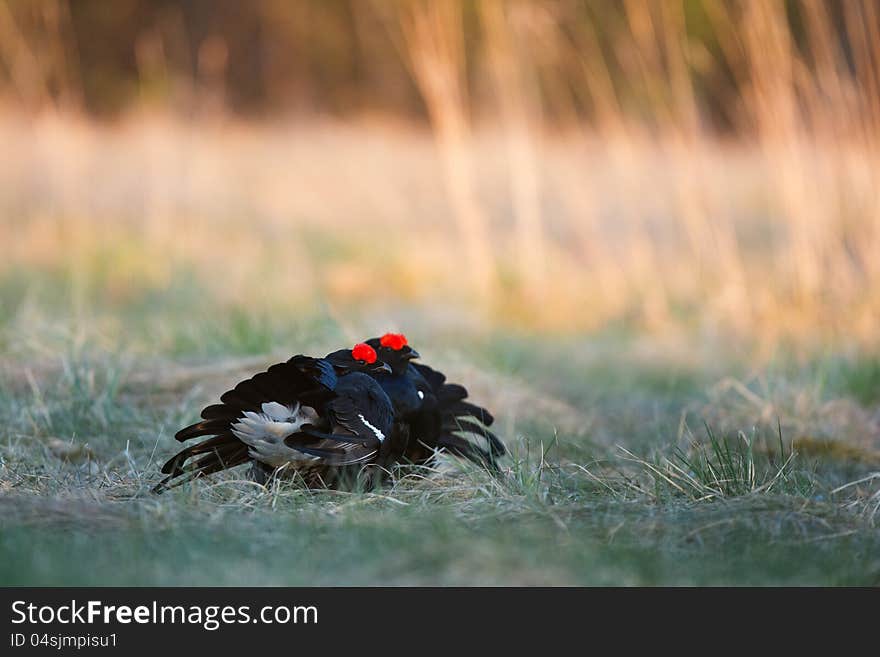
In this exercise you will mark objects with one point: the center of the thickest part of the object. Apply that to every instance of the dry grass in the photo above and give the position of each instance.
(598, 488)
(307, 213)
(643, 214)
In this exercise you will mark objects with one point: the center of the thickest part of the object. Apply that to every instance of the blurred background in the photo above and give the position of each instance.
(645, 234)
(691, 167)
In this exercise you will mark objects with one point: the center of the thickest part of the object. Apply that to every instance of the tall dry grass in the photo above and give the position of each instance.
(643, 213)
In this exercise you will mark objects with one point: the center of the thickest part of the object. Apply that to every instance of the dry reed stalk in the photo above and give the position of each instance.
(520, 117)
(434, 44)
(636, 210)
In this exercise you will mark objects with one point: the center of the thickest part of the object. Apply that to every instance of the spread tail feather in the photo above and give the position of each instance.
(460, 447)
(218, 453)
(457, 424)
(466, 409)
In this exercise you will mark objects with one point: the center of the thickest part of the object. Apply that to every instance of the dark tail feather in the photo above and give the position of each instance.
(457, 424)
(202, 468)
(460, 447)
(215, 443)
(434, 378)
(463, 408)
(450, 393)
(220, 411)
(318, 368)
(204, 428)
(172, 482)
(282, 381)
(220, 453)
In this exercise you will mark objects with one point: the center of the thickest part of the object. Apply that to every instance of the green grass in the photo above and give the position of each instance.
(628, 466)
(859, 379)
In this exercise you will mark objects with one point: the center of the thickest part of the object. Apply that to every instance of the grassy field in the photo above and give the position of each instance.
(634, 460)
(644, 236)
(690, 393)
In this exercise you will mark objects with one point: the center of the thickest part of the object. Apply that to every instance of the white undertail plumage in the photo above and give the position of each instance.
(264, 433)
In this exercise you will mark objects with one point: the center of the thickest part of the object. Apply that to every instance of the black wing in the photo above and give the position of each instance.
(360, 418)
(301, 379)
(446, 415)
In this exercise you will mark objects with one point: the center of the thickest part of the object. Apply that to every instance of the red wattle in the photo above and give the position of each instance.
(364, 352)
(395, 341)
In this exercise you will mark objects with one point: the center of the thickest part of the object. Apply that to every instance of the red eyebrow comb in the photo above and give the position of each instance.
(394, 341)
(364, 352)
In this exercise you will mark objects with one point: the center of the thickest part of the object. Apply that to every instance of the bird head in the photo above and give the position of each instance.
(393, 349)
(360, 358)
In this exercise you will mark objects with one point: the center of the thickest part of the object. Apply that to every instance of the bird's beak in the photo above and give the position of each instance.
(384, 367)
(412, 354)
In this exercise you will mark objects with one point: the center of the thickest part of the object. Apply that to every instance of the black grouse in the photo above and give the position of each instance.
(320, 420)
(430, 414)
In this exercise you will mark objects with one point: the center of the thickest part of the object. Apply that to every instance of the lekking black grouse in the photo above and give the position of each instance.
(431, 414)
(344, 418)
(320, 419)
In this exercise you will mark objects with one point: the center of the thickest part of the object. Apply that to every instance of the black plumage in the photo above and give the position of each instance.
(314, 417)
(431, 414)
